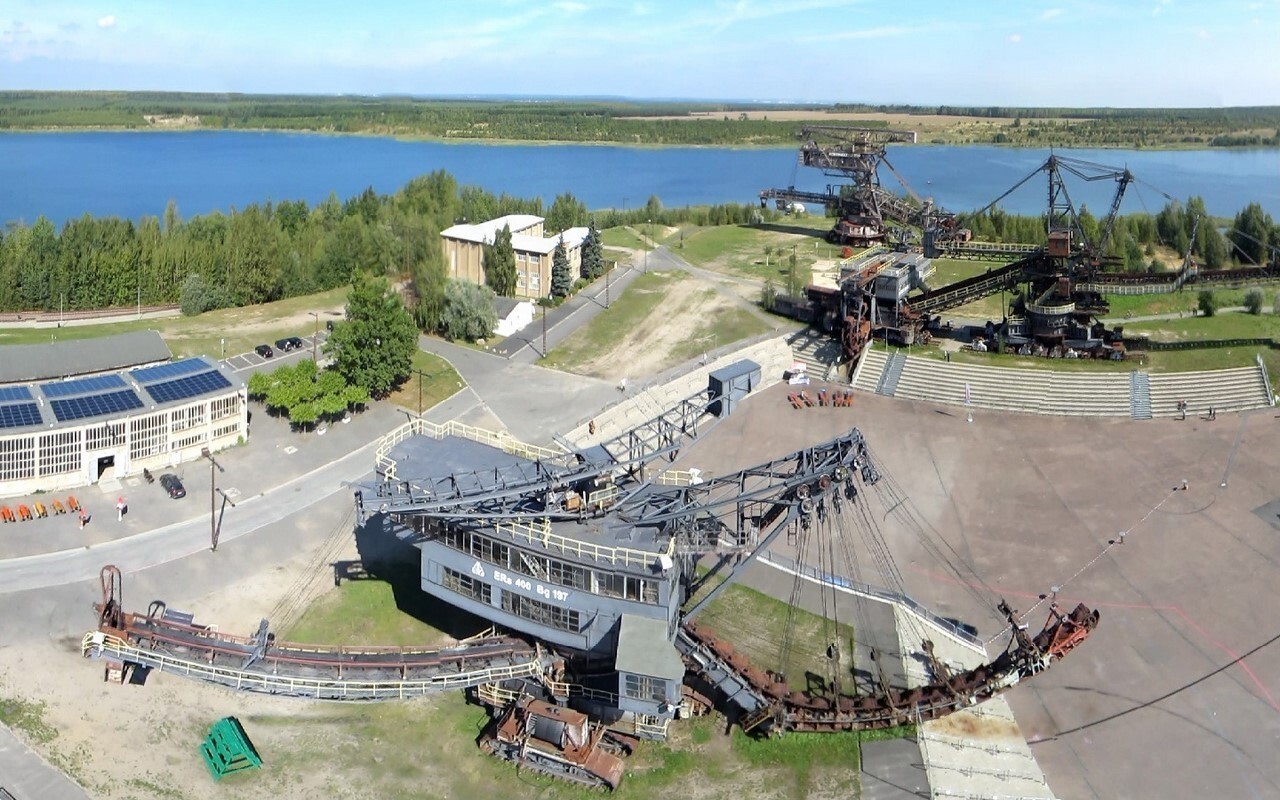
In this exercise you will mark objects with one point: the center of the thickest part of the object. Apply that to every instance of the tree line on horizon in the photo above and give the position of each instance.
(623, 121)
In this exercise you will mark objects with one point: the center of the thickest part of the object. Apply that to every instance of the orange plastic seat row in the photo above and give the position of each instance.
(58, 508)
(6, 514)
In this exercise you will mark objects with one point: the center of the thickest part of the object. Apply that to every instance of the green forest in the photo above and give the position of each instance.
(631, 122)
(267, 252)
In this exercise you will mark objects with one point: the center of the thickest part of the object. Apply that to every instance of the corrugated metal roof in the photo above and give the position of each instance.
(21, 363)
(484, 232)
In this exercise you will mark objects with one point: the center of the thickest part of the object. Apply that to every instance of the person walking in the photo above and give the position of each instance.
(84, 518)
(120, 507)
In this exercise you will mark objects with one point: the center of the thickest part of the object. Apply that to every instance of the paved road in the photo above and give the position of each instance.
(27, 776)
(526, 346)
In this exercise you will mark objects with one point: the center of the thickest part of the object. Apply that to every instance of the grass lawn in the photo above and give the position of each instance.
(441, 382)
(242, 328)
(394, 749)
(622, 237)
(605, 330)
(740, 249)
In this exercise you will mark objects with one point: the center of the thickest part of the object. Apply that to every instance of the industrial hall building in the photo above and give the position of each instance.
(464, 251)
(77, 412)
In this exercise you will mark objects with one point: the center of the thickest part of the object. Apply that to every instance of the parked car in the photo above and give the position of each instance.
(264, 350)
(171, 484)
(294, 343)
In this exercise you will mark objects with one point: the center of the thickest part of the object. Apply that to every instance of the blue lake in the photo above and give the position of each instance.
(64, 175)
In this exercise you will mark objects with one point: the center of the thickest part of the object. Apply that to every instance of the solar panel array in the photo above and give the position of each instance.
(171, 370)
(19, 415)
(9, 394)
(95, 405)
(83, 386)
(189, 386)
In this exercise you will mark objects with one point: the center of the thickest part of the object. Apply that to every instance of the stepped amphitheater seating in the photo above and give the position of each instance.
(1224, 390)
(1067, 393)
(867, 375)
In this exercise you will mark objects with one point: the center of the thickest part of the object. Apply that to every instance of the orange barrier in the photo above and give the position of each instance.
(71, 503)
(6, 514)
(24, 513)
(58, 507)
(39, 509)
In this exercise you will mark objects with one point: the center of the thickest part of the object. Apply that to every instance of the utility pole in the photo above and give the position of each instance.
(420, 375)
(606, 286)
(315, 337)
(544, 331)
(214, 469)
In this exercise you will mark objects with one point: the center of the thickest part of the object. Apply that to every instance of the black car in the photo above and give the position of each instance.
(170, 483)
(264, 350)
(294, 343)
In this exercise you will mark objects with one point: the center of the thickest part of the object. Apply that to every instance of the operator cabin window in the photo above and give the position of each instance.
(641, 687)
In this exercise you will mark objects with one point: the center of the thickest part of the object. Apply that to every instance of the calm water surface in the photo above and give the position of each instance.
(64, 175)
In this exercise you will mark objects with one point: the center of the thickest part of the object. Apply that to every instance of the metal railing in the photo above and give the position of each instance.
(100, 645)
(540, 533)
(436, 430)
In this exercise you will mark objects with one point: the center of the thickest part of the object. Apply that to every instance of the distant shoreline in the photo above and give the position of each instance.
(409, 137)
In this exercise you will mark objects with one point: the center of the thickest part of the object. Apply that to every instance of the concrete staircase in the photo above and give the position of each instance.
(892, 372)
(870, 369)
(1139, 395)
(818, 352)
(1223, 390)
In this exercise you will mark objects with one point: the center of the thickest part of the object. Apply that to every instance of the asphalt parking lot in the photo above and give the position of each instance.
(249, 360)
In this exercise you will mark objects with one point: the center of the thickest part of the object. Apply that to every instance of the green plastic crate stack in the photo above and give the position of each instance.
(227, 749)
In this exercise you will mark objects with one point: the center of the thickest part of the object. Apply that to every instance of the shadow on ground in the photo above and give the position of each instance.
(386, 557)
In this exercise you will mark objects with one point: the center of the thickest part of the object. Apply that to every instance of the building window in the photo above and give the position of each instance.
(456, 581)
(626, 587)
(17, 458)
(148, 435)
(224, 407)
(642, 687)
(60, 453)
(570, 575)
(541, 613)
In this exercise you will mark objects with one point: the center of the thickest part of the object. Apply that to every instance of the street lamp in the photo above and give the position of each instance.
(315, 337)
(213, 494)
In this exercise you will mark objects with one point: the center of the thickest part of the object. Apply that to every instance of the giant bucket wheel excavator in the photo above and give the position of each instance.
(689, 536)
(1059, 287)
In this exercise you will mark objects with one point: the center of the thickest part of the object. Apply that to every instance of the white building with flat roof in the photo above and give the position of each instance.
(464, 251)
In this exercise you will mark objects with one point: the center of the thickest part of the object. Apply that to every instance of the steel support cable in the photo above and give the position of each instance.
(929, 538)
(290, 603)
(873, 538)
(862, 621)
(788, 628)
(1111, 543)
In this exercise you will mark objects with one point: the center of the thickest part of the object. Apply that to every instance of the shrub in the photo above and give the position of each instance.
(1253, 301)
(1207, 303)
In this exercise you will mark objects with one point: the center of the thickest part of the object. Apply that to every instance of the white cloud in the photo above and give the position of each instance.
(1203, 34)
(1015, 38)
(569, 7)
(1050, 13)
(109, 21)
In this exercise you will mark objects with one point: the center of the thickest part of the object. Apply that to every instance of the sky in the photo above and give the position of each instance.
(1151, 53)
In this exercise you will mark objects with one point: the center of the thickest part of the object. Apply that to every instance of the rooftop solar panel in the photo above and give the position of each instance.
(10, 393)
(190, 386)
(173, 369)
(20, 415)
(82, 386)
(95, 405)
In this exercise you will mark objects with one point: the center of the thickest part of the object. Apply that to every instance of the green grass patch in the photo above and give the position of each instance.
(612, 326)
(442, 381)
(757, 626)
(390, 609)
(241, 328)
(622, 237)
(27, 716)
(740, 249)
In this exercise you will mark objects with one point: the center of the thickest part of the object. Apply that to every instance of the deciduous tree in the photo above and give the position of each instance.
(374, 347)
(468, 311)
